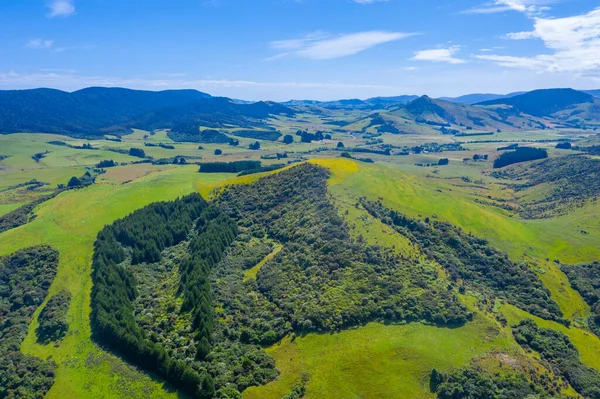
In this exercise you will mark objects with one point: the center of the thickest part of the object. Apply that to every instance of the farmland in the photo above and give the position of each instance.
(376, 359)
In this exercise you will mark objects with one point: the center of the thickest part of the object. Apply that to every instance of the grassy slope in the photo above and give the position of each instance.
(6, 208)
(70, 223)
(379, 361)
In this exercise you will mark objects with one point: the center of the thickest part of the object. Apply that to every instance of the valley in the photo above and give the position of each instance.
(378, 254)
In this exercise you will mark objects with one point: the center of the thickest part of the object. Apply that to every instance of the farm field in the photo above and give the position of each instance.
(374, 360)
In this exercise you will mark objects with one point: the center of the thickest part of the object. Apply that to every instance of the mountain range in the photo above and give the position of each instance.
(98, 111)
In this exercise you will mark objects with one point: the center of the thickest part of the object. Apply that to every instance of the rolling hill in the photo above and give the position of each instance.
(427, 110)
(97, 111)
(567, 107)
(544, 102)
(478, 97)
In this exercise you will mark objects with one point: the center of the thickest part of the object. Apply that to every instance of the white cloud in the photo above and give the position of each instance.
(487, 9)
(61, 8)
(439, 55)
(70, 80)
(321, 46)
(40, 44)
(574, 44)
(530, 7)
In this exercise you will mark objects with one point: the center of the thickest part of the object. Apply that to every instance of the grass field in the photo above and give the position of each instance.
(373, 361)
(6, 208)
(379, 361)
(70, 223)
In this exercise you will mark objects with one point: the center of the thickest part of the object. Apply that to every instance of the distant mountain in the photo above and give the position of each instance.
(437, 112)
(97, 111)
(478, 97)
(544, 102)
(387, 100)
(595, 93)
(352, 103)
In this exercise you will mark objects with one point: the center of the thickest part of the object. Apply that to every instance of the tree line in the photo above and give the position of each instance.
(473, 260)
(140, 238)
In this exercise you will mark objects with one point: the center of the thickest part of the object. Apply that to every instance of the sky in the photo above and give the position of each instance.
(301, 49)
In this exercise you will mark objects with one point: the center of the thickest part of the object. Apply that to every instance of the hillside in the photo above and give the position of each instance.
(98, 111)
(477, 97)
(544, 102)
(330, 278)
(434, 112)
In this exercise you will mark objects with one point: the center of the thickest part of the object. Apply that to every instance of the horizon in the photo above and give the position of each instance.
(443, 98)
(299, 49)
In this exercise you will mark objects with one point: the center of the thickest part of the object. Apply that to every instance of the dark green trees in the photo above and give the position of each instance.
(556, 348)
(106, 164)
(585, 278)
(473, 260)
(25, 277)
(145, 233)
(520, 154)
(288, 139)
(137, 152)
(229, 167)
(255, 146)
(74, 182)
(53, 324)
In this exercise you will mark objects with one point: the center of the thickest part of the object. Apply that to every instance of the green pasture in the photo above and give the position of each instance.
(70, 223)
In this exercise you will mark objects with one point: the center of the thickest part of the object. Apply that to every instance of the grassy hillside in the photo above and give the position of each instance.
(70, 223)
(360, 361)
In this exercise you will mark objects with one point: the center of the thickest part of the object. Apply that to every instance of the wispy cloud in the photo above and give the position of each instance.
(68, 79)
(322, 46)
(439, 55)
(574, 43)
(61, 8)
(39, 44)
(489, 8)
(531, 7)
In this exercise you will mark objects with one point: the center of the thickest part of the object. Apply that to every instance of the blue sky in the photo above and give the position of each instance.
(301, 49)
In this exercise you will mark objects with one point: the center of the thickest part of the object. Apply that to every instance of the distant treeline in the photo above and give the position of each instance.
(347, 155)
(86, 146)
(270, 135)
(22, 215)
(262, 169)
(161, 145)
(106, 164)
(229, 167)
(474, 134)
(386, 151)
(521, 154)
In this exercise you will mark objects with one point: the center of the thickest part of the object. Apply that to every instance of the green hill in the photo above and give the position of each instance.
(544, 102)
